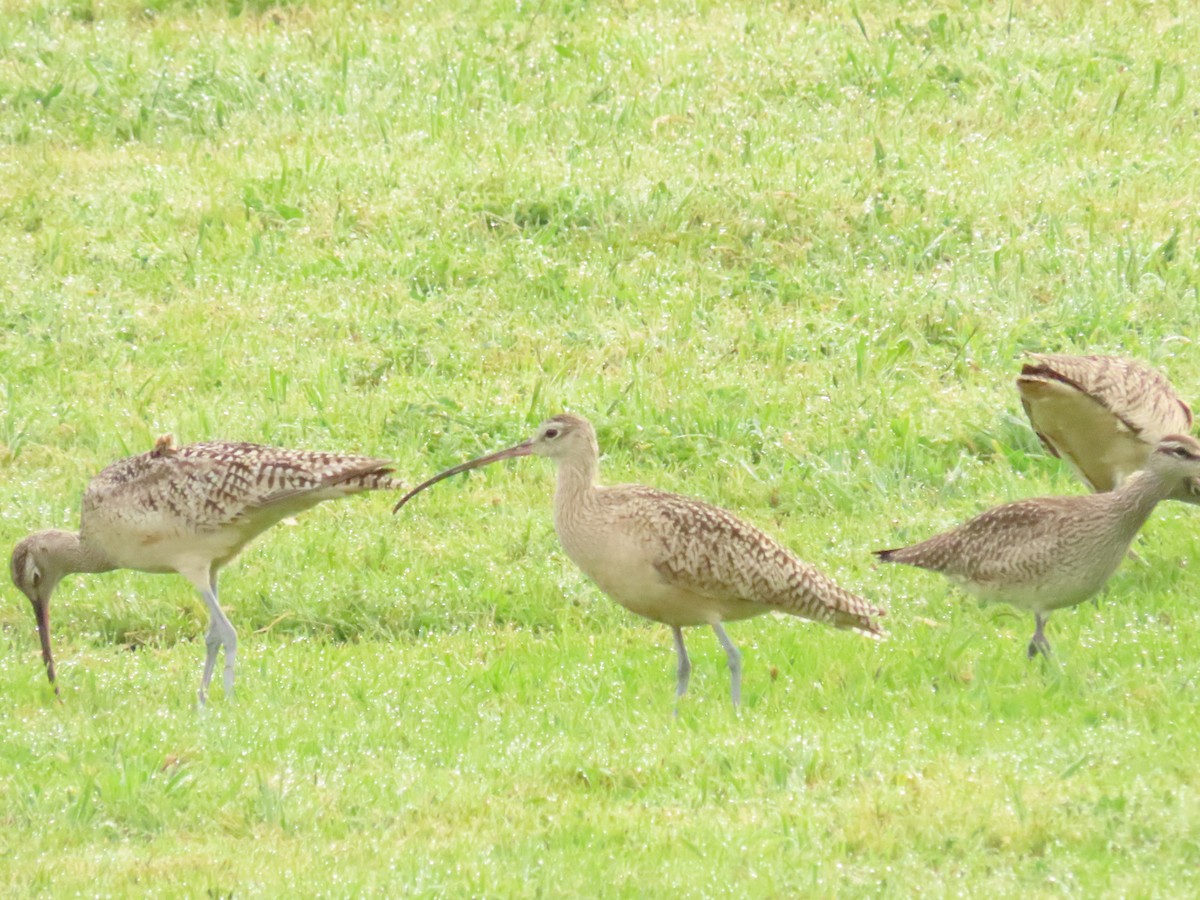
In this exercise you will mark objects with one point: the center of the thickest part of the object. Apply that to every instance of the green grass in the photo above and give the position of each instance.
(785, 256)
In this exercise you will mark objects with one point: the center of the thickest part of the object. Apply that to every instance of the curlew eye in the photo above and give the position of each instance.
(551, 433)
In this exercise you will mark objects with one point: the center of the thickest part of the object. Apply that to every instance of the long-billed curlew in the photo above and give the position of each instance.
(670, 558)
(1048, 553)
(1102, 414)
(188, 510)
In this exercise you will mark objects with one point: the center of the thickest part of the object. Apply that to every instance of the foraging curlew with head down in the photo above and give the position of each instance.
(1102, 414)
(1048, 553)
(670, 558)
(189, 510)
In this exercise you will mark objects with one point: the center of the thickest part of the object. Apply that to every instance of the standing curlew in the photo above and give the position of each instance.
(1102, 414)
(670, 558)
(1051, 552)
(188, 510)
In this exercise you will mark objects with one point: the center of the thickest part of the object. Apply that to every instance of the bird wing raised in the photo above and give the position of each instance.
(1103, 414)
(1087, 407)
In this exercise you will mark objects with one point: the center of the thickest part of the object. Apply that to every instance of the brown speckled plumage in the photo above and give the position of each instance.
(712, 555)
(1102, 414)
(1052, 552)
(239, 489)
(189, 510)
(673, 559)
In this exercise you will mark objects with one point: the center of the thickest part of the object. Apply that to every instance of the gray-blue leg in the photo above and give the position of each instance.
(685, 664)
(735, 663)
(1039, 644)
(220, 634)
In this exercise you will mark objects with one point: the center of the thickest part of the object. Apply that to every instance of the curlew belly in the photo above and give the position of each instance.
(624, 572)
(1040, 595)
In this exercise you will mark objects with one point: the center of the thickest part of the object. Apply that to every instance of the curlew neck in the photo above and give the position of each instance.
(577, 476)
(1137, 496)
(66, 552)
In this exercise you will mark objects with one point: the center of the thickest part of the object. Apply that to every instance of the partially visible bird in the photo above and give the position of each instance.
(1048, 553)
(670, 558)
(189, 510)
(1102, 414)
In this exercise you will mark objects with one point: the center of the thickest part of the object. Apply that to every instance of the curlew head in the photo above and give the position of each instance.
(1176, 456)
(561, 437)
(1175, 460)
(36, 570)
(565, 436)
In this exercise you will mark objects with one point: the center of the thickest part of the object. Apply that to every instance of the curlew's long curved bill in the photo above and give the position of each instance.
(519, 450)
(42, 612)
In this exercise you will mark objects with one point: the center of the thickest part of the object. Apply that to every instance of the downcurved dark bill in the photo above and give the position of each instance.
(519, 450)
(42, 612)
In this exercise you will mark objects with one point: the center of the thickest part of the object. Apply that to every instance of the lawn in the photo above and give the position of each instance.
(786, 257)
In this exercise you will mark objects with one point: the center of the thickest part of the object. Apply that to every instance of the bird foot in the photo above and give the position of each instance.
(1036, 647)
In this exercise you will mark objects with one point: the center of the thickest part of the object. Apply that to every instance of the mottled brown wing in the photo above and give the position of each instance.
(1001, 543)
(1141, 397)
(711, 552)
(214, 485)
(1102, 414)
(267, 477)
